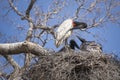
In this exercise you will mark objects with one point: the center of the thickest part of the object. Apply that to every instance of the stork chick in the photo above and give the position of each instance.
(90, 46)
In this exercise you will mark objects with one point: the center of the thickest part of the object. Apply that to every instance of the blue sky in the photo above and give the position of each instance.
(108, 34)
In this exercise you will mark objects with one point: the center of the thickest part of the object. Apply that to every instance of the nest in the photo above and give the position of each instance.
(72, 65)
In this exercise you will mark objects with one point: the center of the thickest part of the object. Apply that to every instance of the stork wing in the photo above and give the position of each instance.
(63, 32)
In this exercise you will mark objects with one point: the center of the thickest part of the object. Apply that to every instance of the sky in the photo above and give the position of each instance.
(108, 34)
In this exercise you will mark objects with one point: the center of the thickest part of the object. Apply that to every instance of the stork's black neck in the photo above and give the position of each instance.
(73, 44)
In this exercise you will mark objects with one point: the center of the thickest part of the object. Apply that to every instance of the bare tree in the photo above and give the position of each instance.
(41, 28)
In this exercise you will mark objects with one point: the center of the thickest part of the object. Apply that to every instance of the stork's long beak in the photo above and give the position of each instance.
(80, 25)
(81, 39)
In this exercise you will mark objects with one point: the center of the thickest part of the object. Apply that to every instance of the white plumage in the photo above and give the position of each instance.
(63, 32)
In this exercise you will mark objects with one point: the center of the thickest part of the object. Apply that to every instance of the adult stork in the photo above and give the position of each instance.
(65, 30)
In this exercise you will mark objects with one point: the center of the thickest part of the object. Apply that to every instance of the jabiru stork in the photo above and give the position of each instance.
(90, 46)
(65, 30)
(72, 46)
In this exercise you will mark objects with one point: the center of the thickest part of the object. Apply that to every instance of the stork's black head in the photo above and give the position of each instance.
(73, 44)
(79, 25)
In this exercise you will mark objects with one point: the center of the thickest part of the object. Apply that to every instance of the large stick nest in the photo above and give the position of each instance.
(75, 66)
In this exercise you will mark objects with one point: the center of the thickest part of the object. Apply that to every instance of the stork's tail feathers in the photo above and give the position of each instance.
(57, 43)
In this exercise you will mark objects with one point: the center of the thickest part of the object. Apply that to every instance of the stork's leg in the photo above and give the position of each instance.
(66, 43)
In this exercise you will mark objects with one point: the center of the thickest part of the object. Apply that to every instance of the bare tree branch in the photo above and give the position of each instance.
(30, 7)
(18, 12)
(12, 61)
(22, 47)
(54, 9)
(46, 28)
(14, 65)
(80, 5)
(15, 9)
(3, 76)
(30, 31)
(28, 56)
